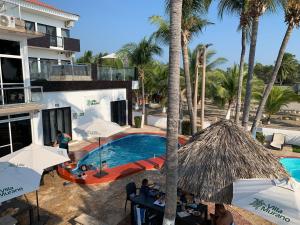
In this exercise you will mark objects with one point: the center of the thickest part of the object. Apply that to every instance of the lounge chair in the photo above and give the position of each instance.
(278, 141)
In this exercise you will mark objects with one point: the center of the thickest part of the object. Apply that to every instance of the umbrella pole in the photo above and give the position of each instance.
(100, 156)
(37, 205)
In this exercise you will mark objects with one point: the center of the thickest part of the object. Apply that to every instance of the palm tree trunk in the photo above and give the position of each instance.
(143, 97)
(241, 76)
(273, 78)
(228, 114)
(173, 113)
(196, 88)
(247, 100)
(186, 67)
(203, 87)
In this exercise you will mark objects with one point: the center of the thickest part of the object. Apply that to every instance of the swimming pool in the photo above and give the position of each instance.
(292, 166)
(130, 148)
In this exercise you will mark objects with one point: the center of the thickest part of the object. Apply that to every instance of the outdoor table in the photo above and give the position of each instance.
(21, 206)
(148, 202)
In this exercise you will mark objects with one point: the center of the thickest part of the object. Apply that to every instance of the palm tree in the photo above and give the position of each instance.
(140, 55)
(173, 112)
(238, 7)
(86, 58)
(256, 10)
(288, 69)
(191, 25)
(279, 97)
(292, 18)
(196, 59)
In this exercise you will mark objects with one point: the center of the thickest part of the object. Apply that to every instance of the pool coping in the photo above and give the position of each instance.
(112, 174)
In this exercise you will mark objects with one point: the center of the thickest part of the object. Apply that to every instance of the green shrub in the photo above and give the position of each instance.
(138, 121)
(296, 148)
(260, 137)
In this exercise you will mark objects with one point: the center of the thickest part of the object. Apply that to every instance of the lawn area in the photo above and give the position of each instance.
(296, 148)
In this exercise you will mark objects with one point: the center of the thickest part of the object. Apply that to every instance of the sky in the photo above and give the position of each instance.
(107, 25)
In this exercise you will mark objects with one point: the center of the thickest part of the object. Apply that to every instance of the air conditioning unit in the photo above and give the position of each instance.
(69, 24)
(7, 21)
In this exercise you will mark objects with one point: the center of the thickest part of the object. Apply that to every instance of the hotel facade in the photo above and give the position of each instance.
(42, 89)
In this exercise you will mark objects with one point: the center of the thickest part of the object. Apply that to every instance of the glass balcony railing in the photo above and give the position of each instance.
(113, 74)
(65, 72)
(18, 95)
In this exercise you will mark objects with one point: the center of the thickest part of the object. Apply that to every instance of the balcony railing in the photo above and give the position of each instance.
(66, 72)
(47, 41)
(20, 95)
(109, 73)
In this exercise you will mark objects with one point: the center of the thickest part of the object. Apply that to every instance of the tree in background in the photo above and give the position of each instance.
(238, 8)
(292, 18)
(191, 25)
(86, 58)
(175, 12)
(256, 9)
(279, 97)
(263, 71)
(288, 71)
(140, 55)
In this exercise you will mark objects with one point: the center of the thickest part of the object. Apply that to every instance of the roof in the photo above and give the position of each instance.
(42, 4)
(221, 154)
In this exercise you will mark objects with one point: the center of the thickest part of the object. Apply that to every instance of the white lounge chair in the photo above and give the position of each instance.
(278, 141)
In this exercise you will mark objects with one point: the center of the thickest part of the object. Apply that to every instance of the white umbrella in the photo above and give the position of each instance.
(21, 171)
(110, 56)
(17, 181)
(98, 128)
(37, 157)
(274, 201)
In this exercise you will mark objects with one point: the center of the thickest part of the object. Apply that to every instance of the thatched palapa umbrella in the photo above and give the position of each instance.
(219, 155)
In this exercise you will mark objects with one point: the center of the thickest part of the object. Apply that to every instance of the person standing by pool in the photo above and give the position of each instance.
(62, 140)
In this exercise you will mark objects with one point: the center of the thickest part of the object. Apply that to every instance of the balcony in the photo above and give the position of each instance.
(114, 74)
(48, 41)
(15, 100)
(68, 72)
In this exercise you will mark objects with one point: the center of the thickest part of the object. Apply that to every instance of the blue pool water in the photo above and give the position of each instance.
(128, 149)
(292, 166)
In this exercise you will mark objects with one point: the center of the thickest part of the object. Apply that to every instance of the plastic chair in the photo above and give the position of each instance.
(130, 192)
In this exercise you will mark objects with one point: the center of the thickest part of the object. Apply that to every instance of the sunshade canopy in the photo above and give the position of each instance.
(98, 128)
(278, 203)
(37, 157)
(219, 155)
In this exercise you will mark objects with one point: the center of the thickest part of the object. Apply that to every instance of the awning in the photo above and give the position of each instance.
(20, 108)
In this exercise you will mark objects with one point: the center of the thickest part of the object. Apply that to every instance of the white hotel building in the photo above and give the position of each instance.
(41, 89)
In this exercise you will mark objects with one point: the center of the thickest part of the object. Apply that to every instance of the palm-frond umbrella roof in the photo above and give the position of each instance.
(219, 155)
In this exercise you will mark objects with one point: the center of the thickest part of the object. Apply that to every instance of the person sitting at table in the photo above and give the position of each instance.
(145, 189)
(222, 216)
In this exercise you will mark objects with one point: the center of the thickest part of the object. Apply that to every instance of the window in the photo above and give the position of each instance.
(65, 33)
(47, 66)
(11, 70)
(33, 67)
(9, 47)
(65, 62)
(21, 134)
(30, 26)
(49, 30)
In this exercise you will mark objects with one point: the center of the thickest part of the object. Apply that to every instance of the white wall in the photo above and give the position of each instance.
(77, 100)
(292, 137)
(47, 54)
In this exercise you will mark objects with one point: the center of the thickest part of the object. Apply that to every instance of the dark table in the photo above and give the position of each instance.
(21, 206)
(147, 202)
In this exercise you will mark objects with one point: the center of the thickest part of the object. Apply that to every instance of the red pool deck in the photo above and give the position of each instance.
(110, 174)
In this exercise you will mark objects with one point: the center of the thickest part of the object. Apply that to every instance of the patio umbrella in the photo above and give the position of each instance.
(21, 171)
(37, 157)
(17, 181)
(97, 129)
(218, 156)
(276, 202)
(110, 56)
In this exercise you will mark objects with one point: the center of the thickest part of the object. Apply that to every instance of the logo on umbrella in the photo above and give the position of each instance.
(9, 190)
(259, 204)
